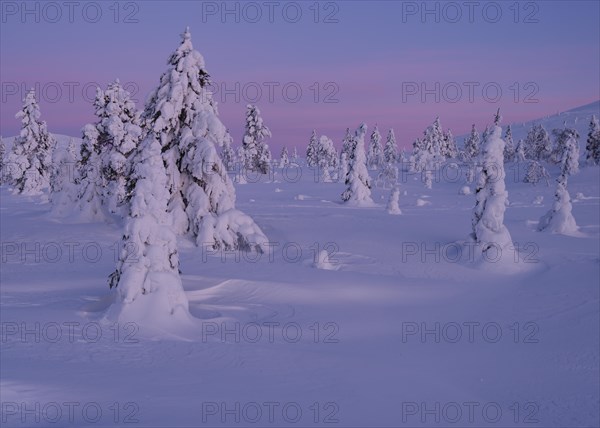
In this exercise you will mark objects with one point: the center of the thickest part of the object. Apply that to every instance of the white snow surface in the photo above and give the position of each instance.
(362, 365)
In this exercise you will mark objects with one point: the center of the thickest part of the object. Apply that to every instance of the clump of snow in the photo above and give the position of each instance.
(393, 207)
(422, 202)
(323, 261)
(465, 190)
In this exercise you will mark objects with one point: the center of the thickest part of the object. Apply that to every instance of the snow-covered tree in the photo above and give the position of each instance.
(358, 182)
(449, 149)
(63, 186)
(560, 218)
(389, 175)
(108, 144)
(284, 159)
(182, 115)
(390, 151)
(472, 144)
(295, 155)
(433, 141)
(327, 157)
(592, 147)
(29, 164)
(148, 285)
(393, 207)
(119, 134)
(509, 148)
(90, 204)
(561, 136)
(258, 155)
(347, 143)
(538, 145)
(227, 153)
(375, 155)
(489, 230)
(535, 173)
(520, 154)
(312, 157)
(344, 166)
(2, 161)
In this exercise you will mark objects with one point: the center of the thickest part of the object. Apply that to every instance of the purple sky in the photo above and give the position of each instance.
(367, 61)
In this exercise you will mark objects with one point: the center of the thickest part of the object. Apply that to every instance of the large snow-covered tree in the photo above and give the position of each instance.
(108, 144)
(148, 285)
(257, 154)
(489, 231)
(592, 147)
(375, 155)
(358, 182)
(183, 117)
(63, 187)
(560, 219)
(327, 157)
(29, 164)
(561, 136)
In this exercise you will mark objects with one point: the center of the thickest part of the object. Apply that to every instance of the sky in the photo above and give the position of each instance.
(310, 65)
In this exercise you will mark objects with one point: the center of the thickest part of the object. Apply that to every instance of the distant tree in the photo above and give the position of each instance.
(375, 156)
(29, 163)
(358, 182)
(390, 151)
(312, 157)
(592, 147)
(472, 144)
(258, 155)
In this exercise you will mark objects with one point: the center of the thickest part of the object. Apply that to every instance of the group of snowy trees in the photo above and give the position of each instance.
(158, 169)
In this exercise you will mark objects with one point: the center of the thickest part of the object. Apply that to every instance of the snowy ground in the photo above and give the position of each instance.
(528, 354)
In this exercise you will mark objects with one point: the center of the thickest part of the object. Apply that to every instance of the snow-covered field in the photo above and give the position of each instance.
(393, 330)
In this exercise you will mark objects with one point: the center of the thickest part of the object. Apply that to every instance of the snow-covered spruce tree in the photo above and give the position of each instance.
(105, 170)
(560, 219)
(538, 145)
(227, 153)
(393, 207)
(284, 159)
(312, 158)
(183, 117)
(264, 158)
(257, 154)
(535, 173)
(148, 286)
(592, 147)
(472, 144)
(119, 134)
(63, 187)
(295, 155)
(561, 136)
(520, 154)
(390, 151)
(509, 148)
(327, 157)
(433, 140)
(449, 149)
(358, 182)
(29, 163)
(90, 184)
(489, 231)
(2, 162)
(375, 156)
(344, 166)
